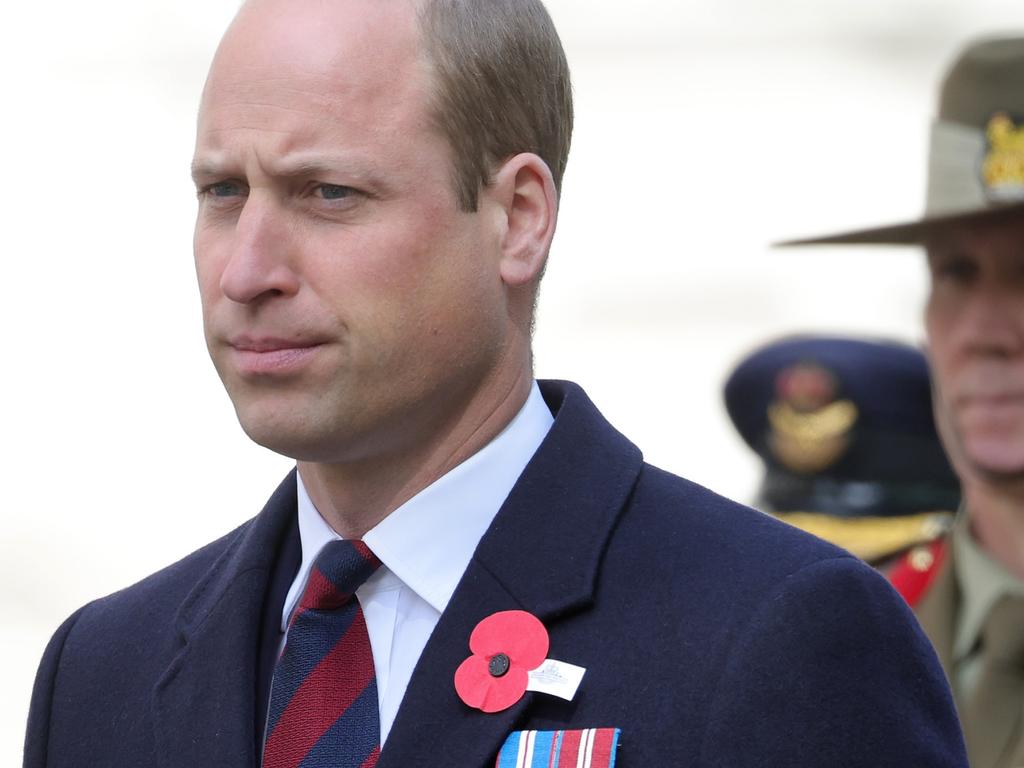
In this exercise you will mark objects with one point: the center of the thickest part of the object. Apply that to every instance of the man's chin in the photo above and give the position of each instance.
(997, 462)
(285, 436)
(272, 441)
(313, 441)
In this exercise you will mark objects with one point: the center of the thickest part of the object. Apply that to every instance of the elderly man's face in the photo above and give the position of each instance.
(975, 323)
(350, 307)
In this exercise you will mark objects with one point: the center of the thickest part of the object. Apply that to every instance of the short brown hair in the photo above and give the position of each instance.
(503, 87)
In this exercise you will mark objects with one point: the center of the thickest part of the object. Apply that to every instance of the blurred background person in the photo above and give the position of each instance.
(845, 431)
(971, 602)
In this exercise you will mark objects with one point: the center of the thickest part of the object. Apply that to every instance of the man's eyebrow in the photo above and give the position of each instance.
(202, 169)
(303, 165)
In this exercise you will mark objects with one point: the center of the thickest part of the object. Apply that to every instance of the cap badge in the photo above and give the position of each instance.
(810, 426)
(1002, 170)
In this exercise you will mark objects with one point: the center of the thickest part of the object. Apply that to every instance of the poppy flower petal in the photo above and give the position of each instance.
(518, 634)
(505, 691)
(473, 681)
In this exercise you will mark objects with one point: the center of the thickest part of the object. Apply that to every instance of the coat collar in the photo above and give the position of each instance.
(542, 554)
(546, 543)
(204, 705)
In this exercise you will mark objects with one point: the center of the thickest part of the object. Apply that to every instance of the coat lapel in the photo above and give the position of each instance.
(541, 554)
(204, 705)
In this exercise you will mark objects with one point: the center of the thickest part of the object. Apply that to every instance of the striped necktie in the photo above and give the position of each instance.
(323, 701)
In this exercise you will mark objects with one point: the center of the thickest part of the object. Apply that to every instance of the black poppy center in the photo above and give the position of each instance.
(498, 665)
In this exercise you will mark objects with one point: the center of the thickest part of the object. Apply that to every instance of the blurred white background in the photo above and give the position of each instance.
(705, 130)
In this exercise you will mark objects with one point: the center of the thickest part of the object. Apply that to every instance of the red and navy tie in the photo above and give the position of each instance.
(323, 701)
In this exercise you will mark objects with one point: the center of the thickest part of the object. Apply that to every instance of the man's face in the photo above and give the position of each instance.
(975, 324)
(350, 308)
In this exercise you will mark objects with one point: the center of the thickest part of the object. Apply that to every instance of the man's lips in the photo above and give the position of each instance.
(993, 399)
(269, 356)
(990, 411)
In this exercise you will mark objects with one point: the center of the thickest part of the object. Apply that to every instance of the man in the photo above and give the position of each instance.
(378, 186)
(969, 591)
(845, 431)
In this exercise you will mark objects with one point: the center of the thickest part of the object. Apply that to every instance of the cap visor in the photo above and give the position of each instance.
(908, 233)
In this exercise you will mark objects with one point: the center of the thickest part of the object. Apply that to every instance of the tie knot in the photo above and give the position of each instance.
(338, 571)
(1003, 634)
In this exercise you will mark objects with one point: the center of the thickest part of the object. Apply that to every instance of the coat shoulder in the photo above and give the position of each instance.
(100, 666)
(155, 599)
(720, 533)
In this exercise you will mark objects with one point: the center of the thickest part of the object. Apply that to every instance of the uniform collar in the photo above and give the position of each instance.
(428, 541)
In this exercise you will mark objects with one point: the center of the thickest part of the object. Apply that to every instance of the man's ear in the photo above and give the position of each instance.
(524, 190)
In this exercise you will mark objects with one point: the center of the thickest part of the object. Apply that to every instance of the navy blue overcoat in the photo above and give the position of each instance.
(712, 635)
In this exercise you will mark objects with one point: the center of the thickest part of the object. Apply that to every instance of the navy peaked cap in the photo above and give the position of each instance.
(844, 426)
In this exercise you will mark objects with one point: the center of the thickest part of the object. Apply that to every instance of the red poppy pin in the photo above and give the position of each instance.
(509, 650)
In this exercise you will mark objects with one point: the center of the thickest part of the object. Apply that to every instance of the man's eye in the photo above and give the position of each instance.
(333, 191)
(959, 268)
(224, 189)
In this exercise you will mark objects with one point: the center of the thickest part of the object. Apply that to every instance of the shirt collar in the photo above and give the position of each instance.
(982, 582)
(429, 540)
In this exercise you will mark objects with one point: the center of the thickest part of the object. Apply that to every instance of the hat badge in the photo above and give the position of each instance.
(1002, 170)
(810, 426)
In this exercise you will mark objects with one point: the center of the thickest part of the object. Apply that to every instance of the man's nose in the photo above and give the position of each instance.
(260, 265)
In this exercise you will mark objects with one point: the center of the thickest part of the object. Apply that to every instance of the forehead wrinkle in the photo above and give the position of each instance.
(319, 101)
(313, 163)
(257, 113)
(240, 84)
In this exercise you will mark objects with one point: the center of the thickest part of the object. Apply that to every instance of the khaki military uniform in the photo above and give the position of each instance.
(972, 609)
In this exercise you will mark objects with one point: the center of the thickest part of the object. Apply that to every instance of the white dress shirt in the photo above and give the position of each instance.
(424, 546)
